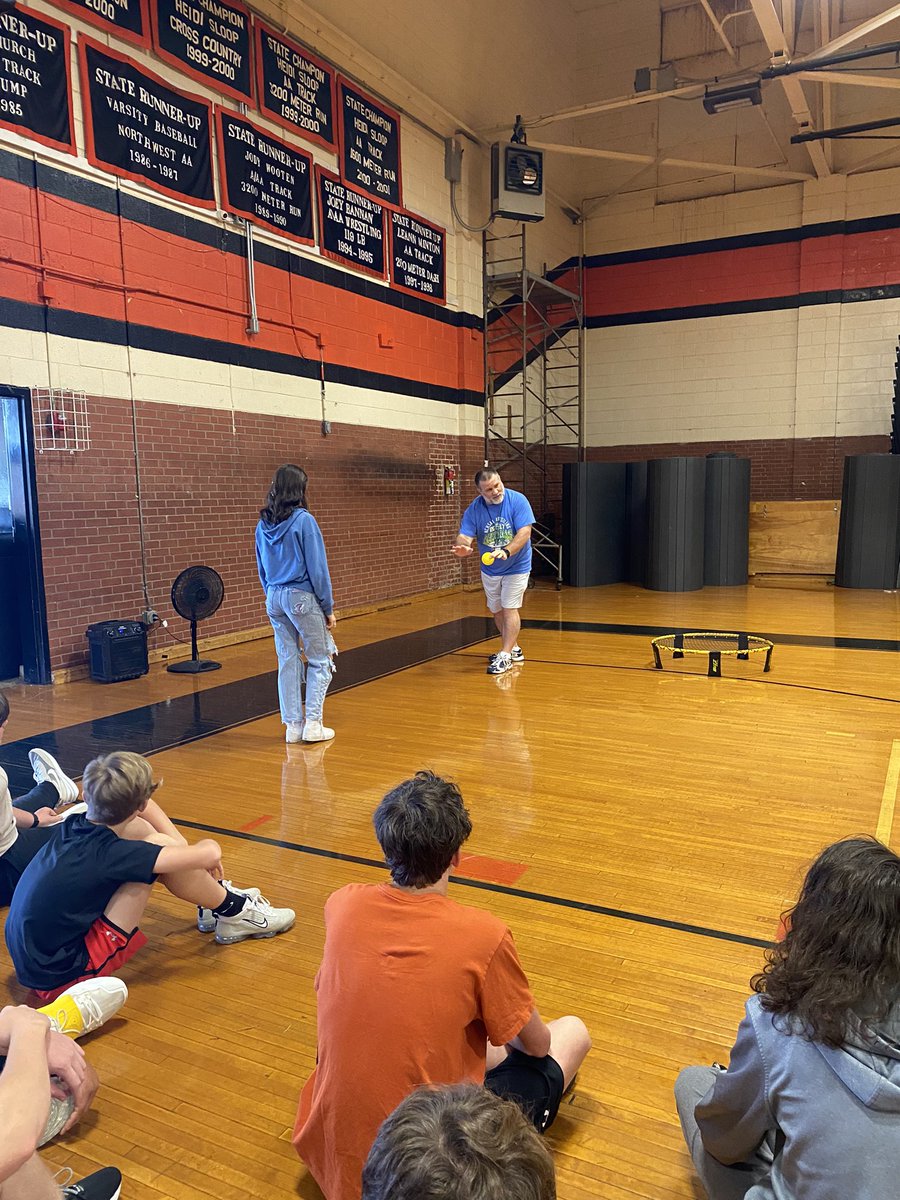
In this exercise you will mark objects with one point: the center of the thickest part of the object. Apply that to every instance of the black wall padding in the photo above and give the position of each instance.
(726, 540)
(675, 513)
(636, 522)
(594, 522)
(868, 553)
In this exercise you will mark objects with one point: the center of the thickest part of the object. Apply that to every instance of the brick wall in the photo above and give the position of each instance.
(202, 486)
(781, 468)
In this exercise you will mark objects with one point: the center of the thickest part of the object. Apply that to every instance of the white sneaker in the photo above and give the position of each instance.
(206, 918)
(73, 811)
(47, 770)
(315, 731)
(499, 664)
(293, 732)
(257, 919)
(86, 1006)
(517, 654)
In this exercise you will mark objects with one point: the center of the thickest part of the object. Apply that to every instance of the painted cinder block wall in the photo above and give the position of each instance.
(765, 323)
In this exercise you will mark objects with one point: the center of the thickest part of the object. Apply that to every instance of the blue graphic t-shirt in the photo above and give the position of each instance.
(495, 525)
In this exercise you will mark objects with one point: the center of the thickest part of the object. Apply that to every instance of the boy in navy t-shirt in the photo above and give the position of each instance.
(77, 907)
(499, 523)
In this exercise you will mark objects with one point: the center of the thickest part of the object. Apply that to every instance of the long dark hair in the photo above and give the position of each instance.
(840, 956)
(288, 491)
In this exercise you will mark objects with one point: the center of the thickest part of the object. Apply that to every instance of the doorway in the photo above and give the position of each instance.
(24, 642)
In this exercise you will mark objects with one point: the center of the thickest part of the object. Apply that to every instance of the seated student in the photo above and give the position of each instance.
(411, 989)
(810, 1103)
(458, 1143)
(27, 824)
(76, 910)
(33, 1055)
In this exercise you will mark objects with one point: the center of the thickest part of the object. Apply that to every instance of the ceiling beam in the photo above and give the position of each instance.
(588, 110)
(822, 26)
(769, 22)
(679, 163)
(854, 34)
(789, 23)
(719, 28)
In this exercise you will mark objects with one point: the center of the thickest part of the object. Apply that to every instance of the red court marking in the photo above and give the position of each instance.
(256, 822)
(491, 870)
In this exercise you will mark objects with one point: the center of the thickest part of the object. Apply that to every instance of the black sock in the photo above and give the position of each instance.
(231, 905)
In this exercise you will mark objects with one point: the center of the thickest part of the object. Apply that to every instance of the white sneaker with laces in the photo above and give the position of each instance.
(315, 731)
(86, 1006)
(499, 664)
(257, 919)
(46, 769)
(206, 918)
(517, 654)
(293, 732)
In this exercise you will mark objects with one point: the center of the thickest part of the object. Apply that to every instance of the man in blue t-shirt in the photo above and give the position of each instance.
(499, 521)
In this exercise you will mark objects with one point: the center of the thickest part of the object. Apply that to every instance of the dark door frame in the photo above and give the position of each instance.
(16, 405)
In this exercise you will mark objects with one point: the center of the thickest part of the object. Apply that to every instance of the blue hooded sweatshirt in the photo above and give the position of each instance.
(835, 1113)
(292, 554)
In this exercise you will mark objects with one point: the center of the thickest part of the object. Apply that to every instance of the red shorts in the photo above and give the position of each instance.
(108, 947)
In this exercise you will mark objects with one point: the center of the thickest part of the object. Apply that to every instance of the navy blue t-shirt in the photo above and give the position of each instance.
(63, 890)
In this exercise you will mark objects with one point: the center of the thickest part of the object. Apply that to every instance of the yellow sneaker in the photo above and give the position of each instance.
(86, 1006)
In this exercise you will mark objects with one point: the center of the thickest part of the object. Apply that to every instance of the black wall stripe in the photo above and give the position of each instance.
(740, 241)
(733, 307)
(19, 315)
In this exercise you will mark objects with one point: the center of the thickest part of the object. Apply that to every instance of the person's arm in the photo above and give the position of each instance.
(42, 816)
(533, 1038)
(259, 562)
(205, 855)
(521, 539)
(24, 1086)
(734, 1115)
(463, 546)
(312, 550)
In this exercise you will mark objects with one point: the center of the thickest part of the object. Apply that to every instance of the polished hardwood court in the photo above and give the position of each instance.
(640, 831)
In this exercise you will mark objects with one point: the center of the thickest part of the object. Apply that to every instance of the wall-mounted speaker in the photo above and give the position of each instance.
(517, 182)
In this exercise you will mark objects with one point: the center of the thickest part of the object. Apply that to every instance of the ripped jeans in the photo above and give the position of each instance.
(299, 625)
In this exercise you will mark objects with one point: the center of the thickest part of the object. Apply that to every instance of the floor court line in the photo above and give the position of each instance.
(885, 826)
(602, 910)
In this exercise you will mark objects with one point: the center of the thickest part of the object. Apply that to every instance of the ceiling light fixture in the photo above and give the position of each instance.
(734, 95)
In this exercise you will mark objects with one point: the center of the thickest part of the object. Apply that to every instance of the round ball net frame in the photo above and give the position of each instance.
(714, 645)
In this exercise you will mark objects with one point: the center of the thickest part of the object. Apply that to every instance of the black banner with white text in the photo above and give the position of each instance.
(370, 145)
(263, 178)
(417, 257)
(35, 83)
(139, 127)
(351, 226)
(210, 39)
(294, 87)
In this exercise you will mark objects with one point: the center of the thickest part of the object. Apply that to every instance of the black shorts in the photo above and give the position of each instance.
(535, 1084)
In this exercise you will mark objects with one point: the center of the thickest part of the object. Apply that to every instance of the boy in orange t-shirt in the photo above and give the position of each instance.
(413, 989)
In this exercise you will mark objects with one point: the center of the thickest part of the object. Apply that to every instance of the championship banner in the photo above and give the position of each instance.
(418, 263)
(128, 19)
(294, 87)
(209, 39)
(370, 145)
(351, 226)
(264, 178)
(35, 83)
(139, 127)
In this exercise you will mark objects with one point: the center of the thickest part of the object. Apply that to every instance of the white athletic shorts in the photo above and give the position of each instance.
(504, 591)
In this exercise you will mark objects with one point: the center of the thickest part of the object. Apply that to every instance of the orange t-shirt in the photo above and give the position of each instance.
(409, 991)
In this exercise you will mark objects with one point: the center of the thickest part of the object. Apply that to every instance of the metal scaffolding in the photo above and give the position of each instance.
(533, 356)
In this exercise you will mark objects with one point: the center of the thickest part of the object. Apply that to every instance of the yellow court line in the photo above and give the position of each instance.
(889, 796)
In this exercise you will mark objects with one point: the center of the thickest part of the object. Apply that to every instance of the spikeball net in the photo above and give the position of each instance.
(715, 646)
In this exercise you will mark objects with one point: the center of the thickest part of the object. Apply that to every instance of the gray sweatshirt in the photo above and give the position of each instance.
(834, 1114)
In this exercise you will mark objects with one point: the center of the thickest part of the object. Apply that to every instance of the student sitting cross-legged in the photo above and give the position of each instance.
(415, 988)
(78, 904)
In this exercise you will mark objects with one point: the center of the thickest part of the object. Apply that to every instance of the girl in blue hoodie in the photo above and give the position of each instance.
(809, 1107)
(293, 570)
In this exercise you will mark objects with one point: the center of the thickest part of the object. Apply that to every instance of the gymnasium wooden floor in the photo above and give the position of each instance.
(639, 830)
